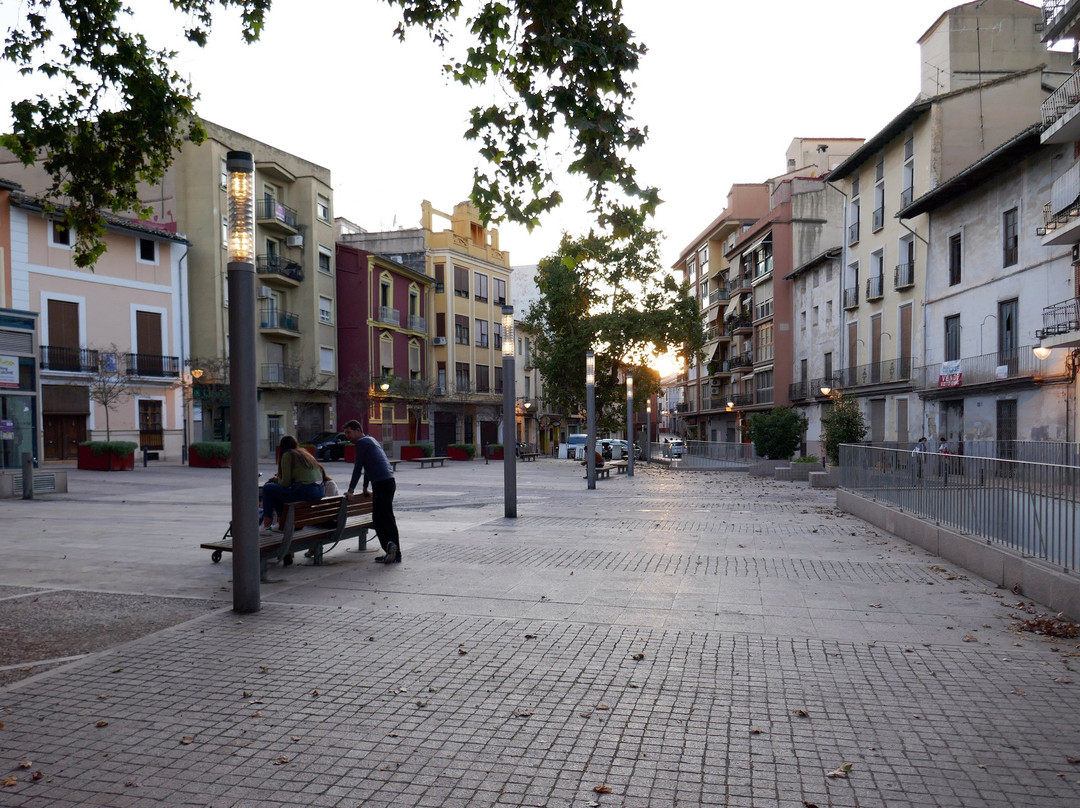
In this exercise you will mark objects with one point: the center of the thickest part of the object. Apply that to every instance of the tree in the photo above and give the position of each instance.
(606, 291)
(110, 385)
(776, 434)
(122, 111)
(844, 424)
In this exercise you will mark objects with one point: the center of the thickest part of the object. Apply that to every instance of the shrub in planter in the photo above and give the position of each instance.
(412, 451)
(495, 451)
(210, 454)
(461, 451)
(107, 455)
(776, 434)
(807, 459)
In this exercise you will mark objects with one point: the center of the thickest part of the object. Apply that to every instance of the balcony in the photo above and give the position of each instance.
(283, 322)
(69, 360)
(853, 234)
(273, 215)
(851, 297)
(417, 323)
(875, 287)
(744, 360)
(741, 284)
(279, 376)
(278, 268)
(799, 391)
(1011, 368)
(904, 276)
(906, 196)
(719, 368)
(738, 400)
(722, 295)
(160, 367)
(388, 315)
(888, 371)
(1060, 124)
(739, 324)
(879, 218)
(1061, 323)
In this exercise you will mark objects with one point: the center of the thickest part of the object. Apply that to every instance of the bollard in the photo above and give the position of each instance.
(145, 456)
(27, 476)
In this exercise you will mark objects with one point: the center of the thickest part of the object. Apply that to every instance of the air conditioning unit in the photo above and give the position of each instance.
(438, 341)
(265, 292)
(294, 241)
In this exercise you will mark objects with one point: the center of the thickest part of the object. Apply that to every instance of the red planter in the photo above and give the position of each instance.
(197, 460)
(496, 454)
(411, 452)
(457, 454)
(106, 461)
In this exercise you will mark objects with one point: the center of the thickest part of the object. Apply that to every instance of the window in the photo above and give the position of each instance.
(461, 329)
(483, 378)
(326, 360)
(480, 286)
(528, 353)
(814, 317)
(440, 278)
(1009, 238)
(440, 324)
(440, 375)
(704, 292)
(496, 336)
(703, 260)
(224, 232)
(59, 235)
(461, 377)
(325, 259)
(764, 343)
(414, 300)
(500, 291)
(386, 291)
(763, 259)
(879, 192)
(322, 208)
(828, 366)
(952, 337)
(763, 381)
(147, 251)
(498, 379)
(481, 331)
(691, 270)
(386, 354)
(955, 256)
(461, 281)
(907, 190)
(325, 310)
(224, 178)
(414, 359)
(763, 309)
(802, 320)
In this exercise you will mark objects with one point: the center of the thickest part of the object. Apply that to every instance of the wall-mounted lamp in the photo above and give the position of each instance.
(826, 390)
(384, 386)
(1041, 352)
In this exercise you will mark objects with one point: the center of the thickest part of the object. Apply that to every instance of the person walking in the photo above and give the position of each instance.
(379, 474)
(918, 453)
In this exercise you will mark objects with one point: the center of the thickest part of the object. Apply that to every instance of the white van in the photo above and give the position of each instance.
(576, 446)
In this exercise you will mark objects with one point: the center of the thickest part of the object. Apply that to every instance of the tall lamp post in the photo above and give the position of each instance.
(509, 416)
(630, 424)
(648, 429)
(590, 419)
(240, 167)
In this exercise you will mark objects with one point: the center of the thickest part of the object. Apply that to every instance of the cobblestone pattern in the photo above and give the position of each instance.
(316, 706)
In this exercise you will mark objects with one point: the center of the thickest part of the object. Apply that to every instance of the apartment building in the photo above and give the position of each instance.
(471, 284)
(988, 282)
(984, 75)
(383, 345)
(1060, 203)
(95, 353)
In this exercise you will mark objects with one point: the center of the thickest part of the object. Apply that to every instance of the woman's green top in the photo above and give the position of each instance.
(294, 472)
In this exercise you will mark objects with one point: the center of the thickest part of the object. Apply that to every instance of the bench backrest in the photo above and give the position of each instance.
(330, 509)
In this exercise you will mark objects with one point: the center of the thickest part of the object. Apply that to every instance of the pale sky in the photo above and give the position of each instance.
(723, 90)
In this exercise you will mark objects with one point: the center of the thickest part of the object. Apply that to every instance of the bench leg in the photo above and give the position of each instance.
(362, 546)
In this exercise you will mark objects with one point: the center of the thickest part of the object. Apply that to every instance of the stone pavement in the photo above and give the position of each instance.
(675, 639)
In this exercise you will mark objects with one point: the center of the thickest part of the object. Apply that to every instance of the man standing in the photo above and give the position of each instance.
(379, 474)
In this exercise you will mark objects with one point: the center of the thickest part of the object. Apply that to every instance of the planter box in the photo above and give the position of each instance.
(106, 461)
(495, 454)
(407, 452)
(197, 460)
(457, 454)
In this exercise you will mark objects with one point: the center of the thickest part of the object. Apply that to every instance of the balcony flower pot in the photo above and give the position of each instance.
(210, 454)
(460, 451)
(100, 455)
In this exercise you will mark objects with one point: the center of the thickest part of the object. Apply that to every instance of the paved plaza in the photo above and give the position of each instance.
(679, 638)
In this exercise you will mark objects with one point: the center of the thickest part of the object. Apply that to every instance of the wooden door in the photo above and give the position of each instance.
(148, 348)
(63, 434)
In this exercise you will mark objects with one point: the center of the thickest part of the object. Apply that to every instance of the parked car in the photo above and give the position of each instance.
(674, 448)
(575, 447)
(329, 445)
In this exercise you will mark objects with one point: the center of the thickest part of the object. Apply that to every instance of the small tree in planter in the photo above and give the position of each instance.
(210, 454)
(461, 451)
(844, 424)
(110, 385)
(776, 434)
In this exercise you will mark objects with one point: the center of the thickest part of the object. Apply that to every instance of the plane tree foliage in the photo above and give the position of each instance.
(606, 291)
(120, 110)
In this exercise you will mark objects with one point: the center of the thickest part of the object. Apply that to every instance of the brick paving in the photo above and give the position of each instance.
(674, 639)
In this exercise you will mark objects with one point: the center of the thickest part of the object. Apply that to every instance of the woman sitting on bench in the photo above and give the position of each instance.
(299, 479)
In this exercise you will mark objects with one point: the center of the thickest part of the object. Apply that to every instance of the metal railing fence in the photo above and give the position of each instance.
(705, 454)
(1031, 508)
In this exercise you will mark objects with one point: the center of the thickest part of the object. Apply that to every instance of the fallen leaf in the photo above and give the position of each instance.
(187, 739)
(802, 713)
(462, 651)
(602, 707)
(25, 764)
(1061, 680)
(1018, 692)
(522, 712)
(755, 731)
(281, 760)
(36, 775)
(808, 804)
(840, 771)
(248, 694)
(296, 737)
(875, 605)
(102, 724)
(638, 657)
(970, 638)
(421, 704)
(1073, 760)
(257, 714)
(315, 692)
(11, 781)
(256, 701)
(601, 789)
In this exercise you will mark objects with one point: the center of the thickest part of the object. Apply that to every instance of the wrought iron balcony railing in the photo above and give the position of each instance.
(277, 265)
(69, 360)
(1061, 318)
(389, 315)
(851, 297)
(282, 320)
(904, 276)
(272, 209)
(152, 365)
(283, 375)
(875, 287)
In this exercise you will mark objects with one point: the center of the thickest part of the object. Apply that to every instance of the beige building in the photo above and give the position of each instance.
(983, 80)
(296, 343)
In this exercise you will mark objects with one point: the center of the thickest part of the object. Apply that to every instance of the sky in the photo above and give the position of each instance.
(724, 88)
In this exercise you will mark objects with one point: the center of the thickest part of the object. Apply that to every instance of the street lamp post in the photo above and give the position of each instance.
(630, 424)
(648, 429)
(509, 416)
(590, 419)
(240, 271)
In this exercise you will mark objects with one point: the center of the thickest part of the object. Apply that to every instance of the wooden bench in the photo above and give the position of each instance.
(529, 455)
(602, 472)
(620, 466)
(432, 460)
(308, 526)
